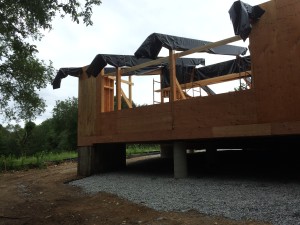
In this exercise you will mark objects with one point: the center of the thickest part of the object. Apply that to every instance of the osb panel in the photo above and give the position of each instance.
(275, 47)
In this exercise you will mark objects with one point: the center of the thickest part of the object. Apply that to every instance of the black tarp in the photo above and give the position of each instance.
(241, 64)
(190, 74)
(101, 60)
(72, 71)
(151, 47)
(242, 16)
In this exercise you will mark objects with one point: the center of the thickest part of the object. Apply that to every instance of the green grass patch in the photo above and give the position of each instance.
(135, 149)
(38, 160)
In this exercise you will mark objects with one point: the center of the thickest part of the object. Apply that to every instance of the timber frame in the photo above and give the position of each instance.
(270, 108)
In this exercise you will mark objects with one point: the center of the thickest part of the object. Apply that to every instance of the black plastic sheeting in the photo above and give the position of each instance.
(190, 74)
(242, 16)
(101, 60)
(72, 71)
(154, 43)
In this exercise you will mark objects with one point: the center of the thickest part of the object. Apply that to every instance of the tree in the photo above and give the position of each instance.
(22, 74)
(3, 140)
(43, 138)
(65, 123)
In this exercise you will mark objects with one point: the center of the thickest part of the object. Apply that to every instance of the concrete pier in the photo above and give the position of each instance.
(180, 160)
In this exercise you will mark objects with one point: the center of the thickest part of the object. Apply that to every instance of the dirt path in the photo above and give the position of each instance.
(40, 196)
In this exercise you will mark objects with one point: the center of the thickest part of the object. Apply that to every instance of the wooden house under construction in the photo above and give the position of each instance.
(267, 112)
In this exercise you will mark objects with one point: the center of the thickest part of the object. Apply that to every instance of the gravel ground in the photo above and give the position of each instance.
(233, 197)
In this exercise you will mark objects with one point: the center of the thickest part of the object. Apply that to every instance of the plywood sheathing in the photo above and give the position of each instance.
(275, 57)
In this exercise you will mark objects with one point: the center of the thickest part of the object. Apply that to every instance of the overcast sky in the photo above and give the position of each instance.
(121, 26)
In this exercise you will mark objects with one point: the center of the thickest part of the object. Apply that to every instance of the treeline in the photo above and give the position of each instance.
(56, 134)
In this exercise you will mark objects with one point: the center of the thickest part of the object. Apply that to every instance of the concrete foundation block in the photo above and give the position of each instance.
(180, 160)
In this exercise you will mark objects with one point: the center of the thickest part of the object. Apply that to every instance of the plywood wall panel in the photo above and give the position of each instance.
(219, 110)
(274, 47)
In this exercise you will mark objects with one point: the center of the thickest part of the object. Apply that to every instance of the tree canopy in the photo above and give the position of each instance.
(22, 74)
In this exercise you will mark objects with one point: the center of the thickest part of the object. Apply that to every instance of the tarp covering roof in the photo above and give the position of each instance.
(151, 47)
(101, 60)
(190, 74)
(72, 71)
(242, 15)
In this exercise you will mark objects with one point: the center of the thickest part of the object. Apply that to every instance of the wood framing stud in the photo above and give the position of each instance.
(118, 88)
(172, 75)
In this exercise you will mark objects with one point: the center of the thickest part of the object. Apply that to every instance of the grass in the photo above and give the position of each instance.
(39, 160)
(135, 149)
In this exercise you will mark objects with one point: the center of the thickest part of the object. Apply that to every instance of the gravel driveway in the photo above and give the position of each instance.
(250, 197)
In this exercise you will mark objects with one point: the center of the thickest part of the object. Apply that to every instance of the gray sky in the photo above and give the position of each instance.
(121, 26)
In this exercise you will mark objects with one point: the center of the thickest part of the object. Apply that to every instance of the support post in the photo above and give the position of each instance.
(172, 65)
(180, 160)
(118, 88)
(130, 89)
(84, 161)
